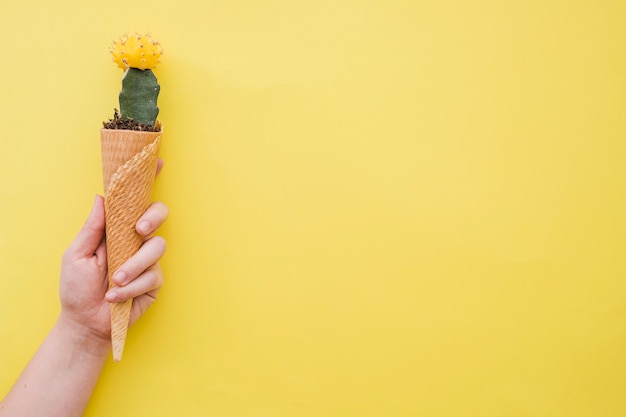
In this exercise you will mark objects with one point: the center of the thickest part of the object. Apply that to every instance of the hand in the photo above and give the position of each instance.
(84, 286)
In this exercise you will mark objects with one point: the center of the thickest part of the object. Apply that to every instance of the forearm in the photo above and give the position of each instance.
(69, 360)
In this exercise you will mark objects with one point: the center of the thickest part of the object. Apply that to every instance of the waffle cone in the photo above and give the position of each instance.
(129, 163)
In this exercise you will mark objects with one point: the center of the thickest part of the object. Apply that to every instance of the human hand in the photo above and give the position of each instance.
(84, 292)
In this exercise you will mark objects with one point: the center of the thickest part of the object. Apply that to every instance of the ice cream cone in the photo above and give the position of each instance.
(129, 163)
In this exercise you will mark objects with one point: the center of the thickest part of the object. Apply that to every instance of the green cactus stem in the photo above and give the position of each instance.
(138, 98)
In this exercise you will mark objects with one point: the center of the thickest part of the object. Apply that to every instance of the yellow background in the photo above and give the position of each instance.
(378, 208)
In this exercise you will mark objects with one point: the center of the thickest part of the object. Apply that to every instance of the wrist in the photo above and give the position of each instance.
(81, 338)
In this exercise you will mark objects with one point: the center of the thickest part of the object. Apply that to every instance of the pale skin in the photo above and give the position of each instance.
(61, 376)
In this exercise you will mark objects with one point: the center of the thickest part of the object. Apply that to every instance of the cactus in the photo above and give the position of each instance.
(137, 55)
(138, 98)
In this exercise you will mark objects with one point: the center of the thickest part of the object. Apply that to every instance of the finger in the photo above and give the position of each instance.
(149, 254)
(159, 165)
(141, 304)
(91, 234)
(149, 282)
(152, 219)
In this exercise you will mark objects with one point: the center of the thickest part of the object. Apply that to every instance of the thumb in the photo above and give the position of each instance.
(90, 235)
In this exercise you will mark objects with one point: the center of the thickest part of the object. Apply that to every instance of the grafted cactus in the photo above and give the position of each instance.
(137, 55)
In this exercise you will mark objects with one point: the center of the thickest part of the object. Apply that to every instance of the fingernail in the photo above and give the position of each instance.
(111, 296)
(143, 226)
(119, 277)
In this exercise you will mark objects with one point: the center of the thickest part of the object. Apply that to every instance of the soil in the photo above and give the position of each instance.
(127, 124)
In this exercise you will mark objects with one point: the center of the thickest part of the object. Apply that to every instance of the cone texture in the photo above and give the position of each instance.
(129, 162)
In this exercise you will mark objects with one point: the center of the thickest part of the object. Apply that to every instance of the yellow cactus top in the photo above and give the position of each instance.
(136, 51)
